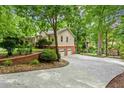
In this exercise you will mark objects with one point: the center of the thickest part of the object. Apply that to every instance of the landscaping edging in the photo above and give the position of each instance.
(22, 59)
(28, 67)
(117, 82)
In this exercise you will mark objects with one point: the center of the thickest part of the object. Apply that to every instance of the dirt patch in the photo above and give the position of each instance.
(117, 82)
(29, 67)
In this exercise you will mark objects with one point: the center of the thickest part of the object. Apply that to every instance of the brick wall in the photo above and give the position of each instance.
(22, 59)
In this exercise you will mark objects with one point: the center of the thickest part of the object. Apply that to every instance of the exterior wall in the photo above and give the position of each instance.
(64, 34)
(65, 48)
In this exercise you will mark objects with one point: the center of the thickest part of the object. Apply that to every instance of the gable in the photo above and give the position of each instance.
(66, 31)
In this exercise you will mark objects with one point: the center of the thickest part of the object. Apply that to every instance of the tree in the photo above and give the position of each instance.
(75, 22)
(54, 15)
(43, 15)
(100, 14)
(43, 42)
(91, 25)
(9, 43)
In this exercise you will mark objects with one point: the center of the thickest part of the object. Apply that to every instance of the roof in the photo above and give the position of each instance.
(51, 32)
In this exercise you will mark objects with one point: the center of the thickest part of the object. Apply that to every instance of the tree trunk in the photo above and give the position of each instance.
(9, 53)
(55, 36)
(77, 43)
(99, 52)
(100, 29)
(112, 43)
(56, 45)
(106, 41)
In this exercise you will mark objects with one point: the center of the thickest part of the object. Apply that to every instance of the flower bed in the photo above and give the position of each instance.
(117, 82)
(29, 67)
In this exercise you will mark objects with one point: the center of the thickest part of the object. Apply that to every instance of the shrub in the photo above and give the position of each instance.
(122, 52)
(20, 49)
(49, 42)
(48, 55)
(25, 48)
(43, 42)
(91, 49)
(35, 62)
(7, 62)
(10, 43)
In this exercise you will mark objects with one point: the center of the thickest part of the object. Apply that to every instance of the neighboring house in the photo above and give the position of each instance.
(65, 40)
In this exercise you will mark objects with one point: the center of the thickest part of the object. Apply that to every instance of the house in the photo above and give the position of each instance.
(65, 40)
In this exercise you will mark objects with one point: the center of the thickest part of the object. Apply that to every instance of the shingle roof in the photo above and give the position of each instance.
(50, 32)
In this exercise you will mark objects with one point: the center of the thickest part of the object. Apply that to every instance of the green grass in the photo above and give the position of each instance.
(102, 56)
(36, 50)
(92, 54)
(3, 52)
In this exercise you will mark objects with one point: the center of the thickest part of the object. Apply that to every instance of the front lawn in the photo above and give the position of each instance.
(3, 52)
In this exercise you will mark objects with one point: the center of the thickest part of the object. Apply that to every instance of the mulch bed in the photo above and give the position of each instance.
(117, 82)
(29, 67)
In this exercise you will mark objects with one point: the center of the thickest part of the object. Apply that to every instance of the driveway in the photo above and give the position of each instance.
(83, 71)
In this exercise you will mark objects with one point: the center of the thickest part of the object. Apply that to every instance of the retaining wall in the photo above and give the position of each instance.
(22, 59)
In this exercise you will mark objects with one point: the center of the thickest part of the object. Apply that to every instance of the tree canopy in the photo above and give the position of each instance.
(97, 29)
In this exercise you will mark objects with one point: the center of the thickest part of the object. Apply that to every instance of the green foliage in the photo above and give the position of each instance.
(49, 42)
(122, 52)
(43, 42)
(20, 49)
(7, 63)
(91, 49)
(9, 43)
(25, 48)
(92, 24)
(35, 62)
(48, 55)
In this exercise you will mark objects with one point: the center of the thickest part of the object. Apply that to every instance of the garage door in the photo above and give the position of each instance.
(62, 52)
(69, 51)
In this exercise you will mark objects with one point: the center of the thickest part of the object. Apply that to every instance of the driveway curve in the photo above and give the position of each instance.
(83, 71)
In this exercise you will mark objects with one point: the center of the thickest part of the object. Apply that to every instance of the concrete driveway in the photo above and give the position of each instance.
(83, 71)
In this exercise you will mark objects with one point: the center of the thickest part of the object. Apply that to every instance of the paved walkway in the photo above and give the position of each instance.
(83, 71)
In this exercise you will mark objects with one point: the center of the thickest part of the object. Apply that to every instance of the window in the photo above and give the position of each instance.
(61, 38)
(66, 39)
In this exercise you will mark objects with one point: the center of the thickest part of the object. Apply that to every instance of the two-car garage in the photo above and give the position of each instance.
(66, 51)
